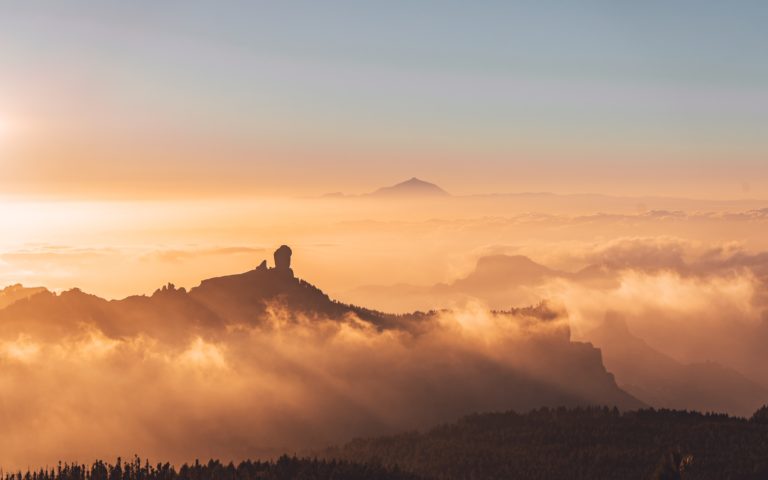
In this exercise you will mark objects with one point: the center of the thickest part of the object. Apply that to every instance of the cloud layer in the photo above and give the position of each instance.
(174, 389)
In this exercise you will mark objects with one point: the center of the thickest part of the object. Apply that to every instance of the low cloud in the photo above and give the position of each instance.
(286, 384)
(694, 301)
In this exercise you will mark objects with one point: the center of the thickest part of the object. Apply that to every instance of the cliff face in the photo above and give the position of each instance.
(247, 297)
(664, 382)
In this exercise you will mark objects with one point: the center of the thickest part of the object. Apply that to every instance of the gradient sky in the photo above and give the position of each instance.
(147, 98)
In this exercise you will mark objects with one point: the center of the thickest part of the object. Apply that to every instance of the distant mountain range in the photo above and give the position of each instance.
(499, 280)
(666, 383)
(646, 373)
(496, 279)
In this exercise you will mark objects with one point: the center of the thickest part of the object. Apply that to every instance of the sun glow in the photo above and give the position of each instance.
(6, 128)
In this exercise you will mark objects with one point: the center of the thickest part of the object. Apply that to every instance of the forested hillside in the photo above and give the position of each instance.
(582, 443)
(284, 468)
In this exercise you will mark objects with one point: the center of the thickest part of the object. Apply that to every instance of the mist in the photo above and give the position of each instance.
(687, 306)
(65, 244)
(288, 384)
(178, 382)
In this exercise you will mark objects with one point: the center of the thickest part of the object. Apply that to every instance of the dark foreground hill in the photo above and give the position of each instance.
(285, 468)
(582, 443)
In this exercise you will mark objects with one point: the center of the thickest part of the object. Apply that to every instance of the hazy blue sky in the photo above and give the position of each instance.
(655, 96)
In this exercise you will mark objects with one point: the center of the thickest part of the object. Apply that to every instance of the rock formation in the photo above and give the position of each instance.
(283, 260)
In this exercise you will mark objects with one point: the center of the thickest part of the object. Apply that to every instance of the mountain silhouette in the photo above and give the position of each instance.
(554, 370)
(648, 374)
(410, 188)
(496, 279)
(666, 383)
(175, 313)
(504, 270)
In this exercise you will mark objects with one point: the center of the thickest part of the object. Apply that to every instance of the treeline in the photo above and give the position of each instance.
(285, 468)
(581, 443)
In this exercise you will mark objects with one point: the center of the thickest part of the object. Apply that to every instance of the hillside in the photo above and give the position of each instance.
(592, 443)
(666, 383)
(595, 443)
(284, 468)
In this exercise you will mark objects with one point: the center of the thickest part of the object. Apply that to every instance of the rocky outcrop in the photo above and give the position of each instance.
(283, 260)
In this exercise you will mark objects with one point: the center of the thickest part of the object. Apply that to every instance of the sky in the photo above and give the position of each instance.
(180, 99)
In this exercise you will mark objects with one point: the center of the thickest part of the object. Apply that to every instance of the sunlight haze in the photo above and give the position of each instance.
(402, 240)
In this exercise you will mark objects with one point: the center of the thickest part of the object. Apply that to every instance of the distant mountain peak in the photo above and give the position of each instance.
(412, 187)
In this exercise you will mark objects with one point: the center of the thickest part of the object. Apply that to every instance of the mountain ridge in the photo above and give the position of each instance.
(666, 383)
(558, 371)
